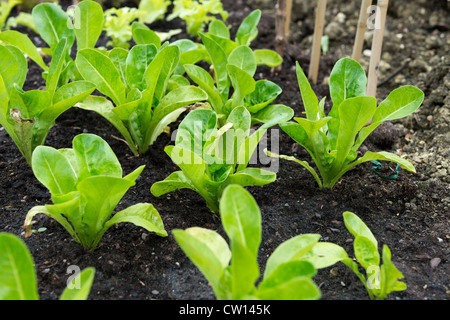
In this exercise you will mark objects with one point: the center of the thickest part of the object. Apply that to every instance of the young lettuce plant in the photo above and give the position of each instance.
(211, 156)
(86, 184)
(233, 270)
(234, 64)
(197, 14)
(29, 116)
(18, 275)
(333, 140)
(140, 104)
(382, 279)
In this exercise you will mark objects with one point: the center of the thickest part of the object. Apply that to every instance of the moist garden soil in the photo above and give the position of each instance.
(410, 214)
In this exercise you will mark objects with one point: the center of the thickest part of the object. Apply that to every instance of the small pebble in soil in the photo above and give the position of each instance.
(155, 292)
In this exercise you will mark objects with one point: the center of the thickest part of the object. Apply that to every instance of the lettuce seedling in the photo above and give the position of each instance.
(197, 14)
(211, 156)
(18, 275)
(29, 116)
(333, 140)
(152, 10)
(234, 64)
(382, 280)
(140, 103)
(233, 270)
(86, 184)
(5, 10)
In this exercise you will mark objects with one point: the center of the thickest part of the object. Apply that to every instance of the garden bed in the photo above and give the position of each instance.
(409, 214)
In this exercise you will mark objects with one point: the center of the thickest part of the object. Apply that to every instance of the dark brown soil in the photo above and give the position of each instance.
(408, 214)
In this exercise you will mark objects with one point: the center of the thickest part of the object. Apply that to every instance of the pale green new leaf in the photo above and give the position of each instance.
(17, 275)
(88, 23)
(85, 279)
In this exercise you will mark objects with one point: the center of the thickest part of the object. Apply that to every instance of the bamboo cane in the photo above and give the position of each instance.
(288, 18)
(377, 44)
(317, 40)
(280, 29)
(362, 27)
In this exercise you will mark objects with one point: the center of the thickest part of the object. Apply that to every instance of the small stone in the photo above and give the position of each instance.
(155, 292)
(435, 262)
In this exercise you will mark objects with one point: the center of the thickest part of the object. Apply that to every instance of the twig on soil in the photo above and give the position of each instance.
(396, 71)
(317, 40)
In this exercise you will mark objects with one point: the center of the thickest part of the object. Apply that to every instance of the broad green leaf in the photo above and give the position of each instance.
(13, 67)
(57, 66)
(310, 101)
(272, 115)
(357, 227)
(88, 24)
(244, 269)
(196, 130)
(267, 57)
(143, 35)
(241, 218)
(382, 156)
(158, 73)
(207, 250)
(228, 145)
(252, 177)
(70, 94)
(104, 107)
(366, 252)
(101, 194)
(326, 254)
(243, 58)
(30, 103)
(175, 99)
(23, 42)
(191, 164)
(119, 56)
(218, 28)
(53, 170)
(265, 92)
(291, 250)
(299, 288)
(227, 45)
(81, 286)
(204, 80)
(347, 80)
(17, 275)
(243, 84)
(100, 70)
(138, 60)
(389, 275)
(176, 180)
(354, 113)
(400, 103)
(219, 61)
(248, 148)
(95, 157)
(143, 215)
(248, 30)
(53, 24)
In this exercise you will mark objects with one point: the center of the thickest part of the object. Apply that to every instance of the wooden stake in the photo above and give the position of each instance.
(360, 31)
(288, 18)
(317, 40)
(280, 29)
(377, 44)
